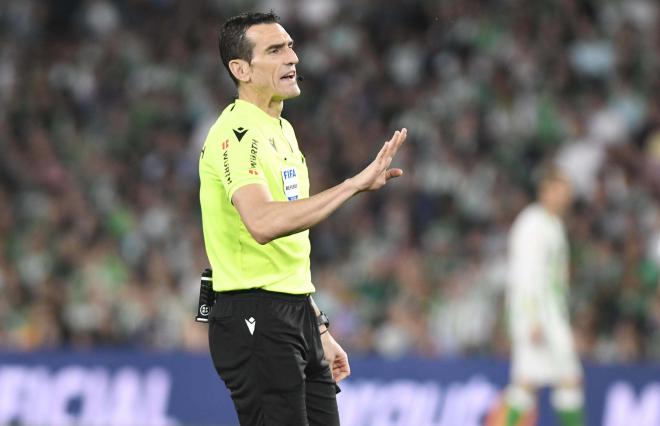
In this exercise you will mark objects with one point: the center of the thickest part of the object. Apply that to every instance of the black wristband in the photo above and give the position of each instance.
(322, 319)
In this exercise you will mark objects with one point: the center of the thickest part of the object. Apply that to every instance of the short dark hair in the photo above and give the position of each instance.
(232, 42)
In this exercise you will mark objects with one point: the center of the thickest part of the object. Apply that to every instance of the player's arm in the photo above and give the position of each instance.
(267, 219)
(334, 354)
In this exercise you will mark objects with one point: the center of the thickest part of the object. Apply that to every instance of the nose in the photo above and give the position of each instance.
(292, 58)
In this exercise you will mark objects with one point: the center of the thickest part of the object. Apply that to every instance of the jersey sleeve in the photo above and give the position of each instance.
(239, 162)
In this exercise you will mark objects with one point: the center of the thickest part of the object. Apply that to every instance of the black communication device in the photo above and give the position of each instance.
(206, 296)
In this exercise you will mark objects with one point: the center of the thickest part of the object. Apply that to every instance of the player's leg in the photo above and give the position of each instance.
(520, 401)
(320, 388)
(567, 397)
(568, 402)
(529, 371)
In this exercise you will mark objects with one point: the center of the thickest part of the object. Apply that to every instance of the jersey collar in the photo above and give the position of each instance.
(251, 108)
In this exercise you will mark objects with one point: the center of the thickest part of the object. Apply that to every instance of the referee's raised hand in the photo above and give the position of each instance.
(376, 174)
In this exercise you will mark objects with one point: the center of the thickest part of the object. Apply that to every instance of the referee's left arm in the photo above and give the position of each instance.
(267, 220)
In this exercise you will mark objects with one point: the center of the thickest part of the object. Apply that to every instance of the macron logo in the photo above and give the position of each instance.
(239, 133)
(250, 324)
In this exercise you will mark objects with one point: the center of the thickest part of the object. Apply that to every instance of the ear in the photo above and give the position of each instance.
(240, 69)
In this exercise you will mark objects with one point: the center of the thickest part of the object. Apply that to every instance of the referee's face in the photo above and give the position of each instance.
(273, 66)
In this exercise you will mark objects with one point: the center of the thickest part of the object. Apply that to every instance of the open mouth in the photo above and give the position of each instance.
(289, 76)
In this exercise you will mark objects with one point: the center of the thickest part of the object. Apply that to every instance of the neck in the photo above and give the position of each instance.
(551, 208)
(266, 103)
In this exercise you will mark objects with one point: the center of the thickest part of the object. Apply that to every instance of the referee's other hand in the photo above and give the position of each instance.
(376, 174)
(336, 357)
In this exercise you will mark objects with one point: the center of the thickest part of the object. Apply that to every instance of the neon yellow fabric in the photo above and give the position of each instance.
(247, 146)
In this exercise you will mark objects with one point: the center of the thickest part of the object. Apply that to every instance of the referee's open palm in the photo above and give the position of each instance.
(376, 174)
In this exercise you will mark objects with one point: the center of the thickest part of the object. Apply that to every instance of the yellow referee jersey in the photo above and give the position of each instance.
(245, 146)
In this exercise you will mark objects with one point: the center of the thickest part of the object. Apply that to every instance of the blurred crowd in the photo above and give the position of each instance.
(104, 106)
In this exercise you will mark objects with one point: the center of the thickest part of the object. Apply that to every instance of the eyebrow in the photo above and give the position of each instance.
(279, 45)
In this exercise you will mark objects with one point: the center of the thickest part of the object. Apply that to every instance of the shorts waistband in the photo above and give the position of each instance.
(263, 293)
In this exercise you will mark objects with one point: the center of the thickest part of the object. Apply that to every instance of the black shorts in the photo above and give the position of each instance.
(267, 349)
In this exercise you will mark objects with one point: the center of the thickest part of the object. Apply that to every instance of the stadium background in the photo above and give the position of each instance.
(104, 105)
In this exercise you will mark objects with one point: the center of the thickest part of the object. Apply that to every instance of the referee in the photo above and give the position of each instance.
(269, 342)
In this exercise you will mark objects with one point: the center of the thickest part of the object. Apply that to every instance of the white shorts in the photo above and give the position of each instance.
(548, 363)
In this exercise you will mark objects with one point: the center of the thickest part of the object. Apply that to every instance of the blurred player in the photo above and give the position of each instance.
(543, 352)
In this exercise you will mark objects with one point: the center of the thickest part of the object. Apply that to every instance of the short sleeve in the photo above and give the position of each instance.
(239, 162)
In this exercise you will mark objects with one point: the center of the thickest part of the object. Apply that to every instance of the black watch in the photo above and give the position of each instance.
(322, 319)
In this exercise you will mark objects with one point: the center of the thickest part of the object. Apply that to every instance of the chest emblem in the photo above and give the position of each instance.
(240, 132)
